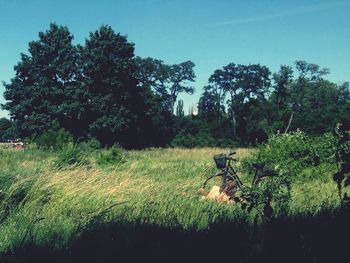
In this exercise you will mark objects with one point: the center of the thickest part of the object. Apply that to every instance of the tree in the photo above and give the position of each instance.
(320, 106)
(180, 109)
(7, 129)
(309, 70)
(119, 110)
(246, 84)
(44, 79)
(282, 79)
(166, 80)
(112, 94)
(179, 76)
(211, 104)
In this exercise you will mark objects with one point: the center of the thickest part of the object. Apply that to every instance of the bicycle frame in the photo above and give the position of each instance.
(227, 173)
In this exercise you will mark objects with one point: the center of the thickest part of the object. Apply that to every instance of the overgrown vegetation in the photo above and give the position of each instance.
(42, 206)
(114, 155)
(70, 154)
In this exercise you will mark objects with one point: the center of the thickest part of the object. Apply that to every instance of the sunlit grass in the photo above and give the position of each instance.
(46, 205)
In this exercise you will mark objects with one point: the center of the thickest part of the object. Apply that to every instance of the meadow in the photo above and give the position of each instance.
(51, 205)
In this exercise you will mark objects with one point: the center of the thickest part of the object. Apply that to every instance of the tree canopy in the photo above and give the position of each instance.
(101, 90)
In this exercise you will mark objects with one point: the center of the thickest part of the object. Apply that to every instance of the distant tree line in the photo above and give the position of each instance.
(101, 90)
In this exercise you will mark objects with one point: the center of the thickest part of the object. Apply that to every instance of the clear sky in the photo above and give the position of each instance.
(211, 33)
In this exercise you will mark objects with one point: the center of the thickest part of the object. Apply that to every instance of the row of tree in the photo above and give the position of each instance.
(101, 90)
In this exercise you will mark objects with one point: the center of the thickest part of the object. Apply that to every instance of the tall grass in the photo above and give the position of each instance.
(46, 206)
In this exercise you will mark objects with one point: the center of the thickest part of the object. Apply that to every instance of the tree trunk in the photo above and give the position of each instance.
(234, 121)
(172, 104)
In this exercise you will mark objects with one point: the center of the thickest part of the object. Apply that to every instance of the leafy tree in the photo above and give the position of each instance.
(320, 106)
(166, 80)
(282, 79)
(179, 76)
(180, 109)
(5, 124)
(309, 70)
(246, 85)
(153, 73)
(7, 129)
(211, 103)
(44, 80)
(112, 94)
(119, 110)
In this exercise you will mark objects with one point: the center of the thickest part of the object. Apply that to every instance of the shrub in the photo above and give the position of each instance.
(70, 155)
(201, 139)
(295, 151)
(291, 155)
(342, 157)
(112, 156)
(90, 145)
(54, 139)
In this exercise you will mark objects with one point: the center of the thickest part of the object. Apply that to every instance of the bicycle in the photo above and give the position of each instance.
(232, 184)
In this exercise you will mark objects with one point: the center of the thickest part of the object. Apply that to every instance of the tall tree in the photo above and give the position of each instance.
(211, 103)
(244, 83)
(43, 81)
(282, 79)
(166, 80)
(114, 100)
(179, 76)
(180, 109)
(7, 129)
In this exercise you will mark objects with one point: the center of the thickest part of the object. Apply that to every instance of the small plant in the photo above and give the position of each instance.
(70, 155)
(112, 156)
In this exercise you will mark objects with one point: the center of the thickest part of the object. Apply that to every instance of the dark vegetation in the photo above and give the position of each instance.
(101, 90)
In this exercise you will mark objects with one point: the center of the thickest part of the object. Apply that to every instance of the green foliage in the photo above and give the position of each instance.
(113, 156)
(101, 90)
(45, 87)
(342, 157)
(70, 155)
(299, 159)
(7, 129)
(4, 124)
(53, 139)
(294, 151)
(191, 141)
(180, 109)
(168, 81)
(90, 145)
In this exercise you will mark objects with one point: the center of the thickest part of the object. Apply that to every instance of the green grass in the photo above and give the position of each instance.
(156, 187)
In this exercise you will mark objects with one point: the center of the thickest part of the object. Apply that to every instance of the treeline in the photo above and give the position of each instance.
(101, 90)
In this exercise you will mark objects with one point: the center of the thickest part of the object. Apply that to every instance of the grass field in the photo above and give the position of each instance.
(42, 206)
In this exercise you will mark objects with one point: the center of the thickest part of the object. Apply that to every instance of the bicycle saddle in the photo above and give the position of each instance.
(258, 166)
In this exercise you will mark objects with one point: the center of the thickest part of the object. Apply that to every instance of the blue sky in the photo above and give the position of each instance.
(211, 33)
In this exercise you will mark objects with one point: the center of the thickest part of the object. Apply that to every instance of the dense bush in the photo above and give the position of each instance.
(112, 156)
(295, 151)
(201, 139)
(90, 145)
(7, 129)
(342, 157)
(53, 139)
(70, 155)
(297, 157)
